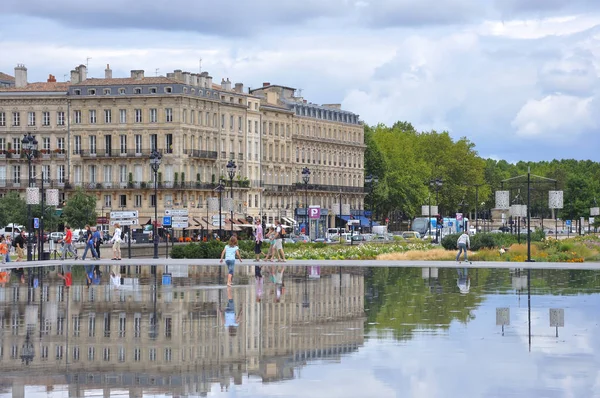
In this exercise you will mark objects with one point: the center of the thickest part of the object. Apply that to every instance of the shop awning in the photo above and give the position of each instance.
(288, 220)
(364, 221)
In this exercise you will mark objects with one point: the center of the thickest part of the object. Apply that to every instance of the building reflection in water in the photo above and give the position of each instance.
(146, 337)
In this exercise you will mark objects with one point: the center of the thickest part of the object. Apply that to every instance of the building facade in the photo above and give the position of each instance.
(98, 133)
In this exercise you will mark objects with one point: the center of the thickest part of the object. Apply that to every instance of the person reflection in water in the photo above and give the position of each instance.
(464, 280)
(230, 320)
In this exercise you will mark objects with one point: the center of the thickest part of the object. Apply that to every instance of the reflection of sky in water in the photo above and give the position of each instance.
(462, 359)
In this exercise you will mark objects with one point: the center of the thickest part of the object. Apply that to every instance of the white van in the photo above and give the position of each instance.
(12, 229)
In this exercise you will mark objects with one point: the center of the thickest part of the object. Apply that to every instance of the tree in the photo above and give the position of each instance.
(51, 220)
(13, 209)
(80, 209)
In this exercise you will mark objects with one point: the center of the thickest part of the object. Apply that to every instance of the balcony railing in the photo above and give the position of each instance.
(23, 183)
(195, 153)
(329, 188)
(115, 153)
(150, 185)
(47, 154)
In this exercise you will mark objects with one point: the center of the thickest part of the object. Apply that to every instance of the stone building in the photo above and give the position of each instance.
(97, 133)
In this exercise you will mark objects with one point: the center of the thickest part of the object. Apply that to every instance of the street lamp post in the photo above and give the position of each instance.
(437, 184)
(371, 181)
(220, 189)
(305, 180)
(231, 172)
(29, 147)
(155, 158)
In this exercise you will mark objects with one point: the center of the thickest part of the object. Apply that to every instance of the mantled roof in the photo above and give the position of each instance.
(5, 77)
(127, 81)
(40, 87)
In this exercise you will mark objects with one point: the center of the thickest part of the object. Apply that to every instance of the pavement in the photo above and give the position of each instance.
(322, 263)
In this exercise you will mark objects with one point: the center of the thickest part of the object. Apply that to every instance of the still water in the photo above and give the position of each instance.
(302, 332)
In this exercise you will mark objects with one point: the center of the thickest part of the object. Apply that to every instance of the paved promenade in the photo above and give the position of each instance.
(323, 263)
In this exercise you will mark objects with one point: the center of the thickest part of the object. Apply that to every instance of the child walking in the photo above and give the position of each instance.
(230, 252)
(3, 249)
(271, 239)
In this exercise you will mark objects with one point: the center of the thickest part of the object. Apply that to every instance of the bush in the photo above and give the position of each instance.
(481, 241)
(210, 249)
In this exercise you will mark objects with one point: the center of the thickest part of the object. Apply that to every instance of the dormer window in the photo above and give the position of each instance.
(77, 92)
(185, 90)
(92, 91)
(152, 90)
(121, 91)
(106, 91)
(137, 90)
(168, 90)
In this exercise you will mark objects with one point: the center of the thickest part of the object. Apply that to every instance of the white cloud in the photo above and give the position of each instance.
(559, 117)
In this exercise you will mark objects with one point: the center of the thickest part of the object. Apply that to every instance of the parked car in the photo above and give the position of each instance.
(11, 229)
(411, 235)
(56, 236)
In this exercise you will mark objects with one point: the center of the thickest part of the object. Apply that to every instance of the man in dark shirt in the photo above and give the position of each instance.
(19, 244)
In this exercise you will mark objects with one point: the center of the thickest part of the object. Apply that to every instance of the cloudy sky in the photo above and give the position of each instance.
(519, 78)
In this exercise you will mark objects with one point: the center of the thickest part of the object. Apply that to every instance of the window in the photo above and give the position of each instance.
(138, 201)
(16, 172)
(256, 127)
(122, 91)
(2, 144)
(107, 173)
(77, 174)
(192, 113)
(168, 90)
(153, 142)
(77, 92)
(78, 144)
(16, 119)
(122, 116)
(92, 142)
(93, 176)
(106, 91)
(122, 173)
(108, 144)
(123, 143)
(17, 145)
(138, 115)
(46, 118)
(77, 117)
(184, 116)
(2, 119)
(137, 90)
(231, 122)
(31, 118)
(108, 201)
(222, 121)
(152, 90)
(92, 328)
(46, 172)
(168, 115)
(60, 118)
(138, 143)
(60, 171)
(107, 116)
(92, 116)
(46, 143)
(122, 200)
(240, 123)
(169, 143)
(153, 115)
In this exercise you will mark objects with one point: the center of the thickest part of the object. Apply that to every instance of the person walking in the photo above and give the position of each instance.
(230, 252)
(97, 236)
(19, 245)
(116, 241)
(258, 239)
(68, 244)
(9, 248)
(463, 244)
(3, 249)
(279, 241)
(89, 243)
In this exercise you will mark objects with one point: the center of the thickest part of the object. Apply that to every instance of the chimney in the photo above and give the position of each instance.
(178, 74)
(108, 72)
(82, 73)
(209, 82)
(20, 76)
(194, 80)
(266, 84)
(239, 88)
(74, 76)
(186, 77)
(51, 79)
(137, 74)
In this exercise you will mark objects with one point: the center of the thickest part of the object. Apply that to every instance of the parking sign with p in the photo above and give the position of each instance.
(314, 212)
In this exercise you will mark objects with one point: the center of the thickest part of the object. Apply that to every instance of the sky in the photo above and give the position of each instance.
(518, 78)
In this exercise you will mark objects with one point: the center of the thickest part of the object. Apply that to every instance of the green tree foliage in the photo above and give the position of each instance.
(80, 209)
(13, 209)
(405, 161)
(51, 220)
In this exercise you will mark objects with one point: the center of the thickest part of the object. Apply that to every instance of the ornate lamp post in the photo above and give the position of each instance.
(220, 189)
(305, 180)
(371, 181)
(155, 158)
(29, 148)
(231, 172)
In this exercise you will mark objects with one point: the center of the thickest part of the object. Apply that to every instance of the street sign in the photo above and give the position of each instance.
(568, 222)
(176, 212)
(123, 214)
(180, 224)
(36, 223)
(166, 221)
(101, 220)
(178, 218)
(459, 216)
(133, 221)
